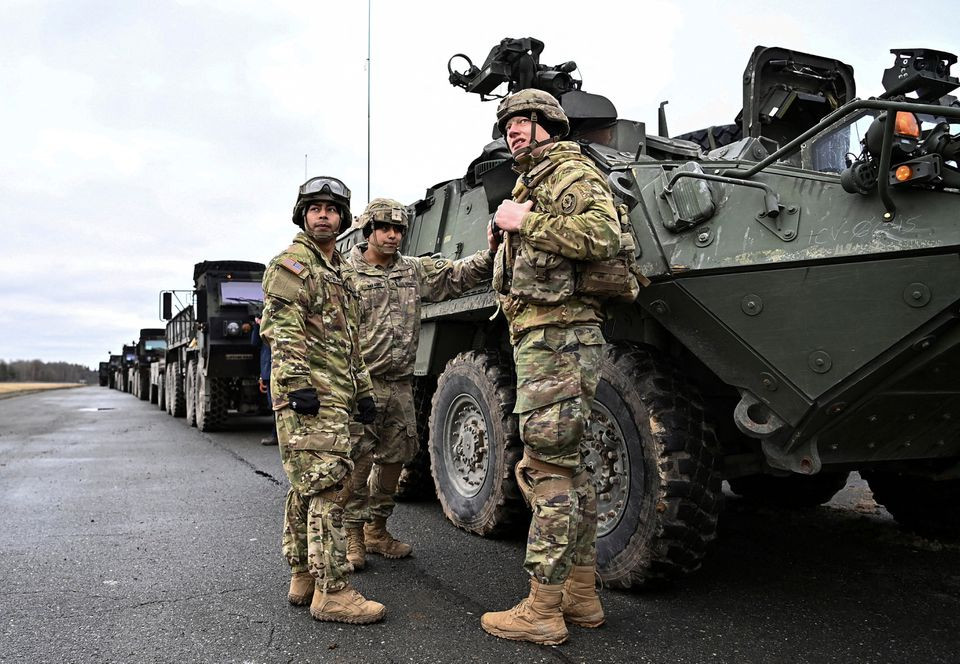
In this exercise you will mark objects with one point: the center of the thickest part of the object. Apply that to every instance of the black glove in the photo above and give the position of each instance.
(305, 401)
(366, 411)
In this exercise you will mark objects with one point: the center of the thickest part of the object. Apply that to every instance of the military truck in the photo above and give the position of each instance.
(150, 346)
(158, 388)
(113, 369)
(212, 369)
(125, 373)
(801, 321)
(103, 374)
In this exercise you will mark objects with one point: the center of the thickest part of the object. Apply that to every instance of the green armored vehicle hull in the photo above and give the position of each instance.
(801, 321)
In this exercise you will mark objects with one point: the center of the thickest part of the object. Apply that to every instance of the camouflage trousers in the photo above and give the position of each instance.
(380, 452)
(316, 459)
(557, 374)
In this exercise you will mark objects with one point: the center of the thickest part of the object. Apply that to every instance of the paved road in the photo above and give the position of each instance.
(128, 537)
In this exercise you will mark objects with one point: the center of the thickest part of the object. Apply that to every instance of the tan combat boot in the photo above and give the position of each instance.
(301, 588)
(356, 553)
(346, 605)
(581, 604)
(378, 540)
(537, 618)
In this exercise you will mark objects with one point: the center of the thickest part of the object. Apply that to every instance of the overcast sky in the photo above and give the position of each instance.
(142, 137)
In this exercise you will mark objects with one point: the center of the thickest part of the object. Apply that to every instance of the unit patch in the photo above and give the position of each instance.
(568, 203)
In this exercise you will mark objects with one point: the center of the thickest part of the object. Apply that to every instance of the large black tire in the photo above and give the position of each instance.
(191, 396)
(928, 507)
(176, 397)
(212, 418)
(162, 391)
(712, 138)
(415, 482)
(651, 449)
(792, 491)
(474, 443)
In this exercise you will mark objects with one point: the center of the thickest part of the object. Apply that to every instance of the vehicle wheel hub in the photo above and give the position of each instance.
(465, 434)
(609, 463)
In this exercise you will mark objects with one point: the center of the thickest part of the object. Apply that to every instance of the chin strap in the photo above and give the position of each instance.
(524, 156)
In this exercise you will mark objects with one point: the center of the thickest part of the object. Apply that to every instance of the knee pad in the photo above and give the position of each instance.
(384, 478)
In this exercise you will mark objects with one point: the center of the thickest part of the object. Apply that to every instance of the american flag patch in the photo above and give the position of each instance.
(292, 265)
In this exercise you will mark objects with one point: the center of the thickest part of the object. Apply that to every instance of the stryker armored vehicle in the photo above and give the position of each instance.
(211, 366)
(801, 321)
(150, 346)
(125, 374)
(103, 374)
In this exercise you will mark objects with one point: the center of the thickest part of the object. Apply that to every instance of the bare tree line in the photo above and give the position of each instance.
(38, 371)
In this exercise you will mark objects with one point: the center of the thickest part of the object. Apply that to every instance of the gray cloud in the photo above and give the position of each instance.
(140, 138)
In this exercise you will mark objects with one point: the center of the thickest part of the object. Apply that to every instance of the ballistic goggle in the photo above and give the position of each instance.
(323, 184)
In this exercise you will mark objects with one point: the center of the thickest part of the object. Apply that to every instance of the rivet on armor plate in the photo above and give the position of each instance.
(916, 295)
(751, 304)
(769, 382)
(819, 361)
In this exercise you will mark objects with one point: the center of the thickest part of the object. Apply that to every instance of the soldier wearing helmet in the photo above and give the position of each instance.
(561, 217)
(391, 288)
(318, 378)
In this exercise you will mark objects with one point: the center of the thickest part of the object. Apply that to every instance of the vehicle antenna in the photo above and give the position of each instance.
(368, 98)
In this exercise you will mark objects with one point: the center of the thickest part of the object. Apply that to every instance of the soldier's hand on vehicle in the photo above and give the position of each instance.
(366, 411)
(305, 401)
(510, 215)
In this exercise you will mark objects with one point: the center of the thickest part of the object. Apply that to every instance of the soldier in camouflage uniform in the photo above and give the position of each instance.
(561, 218)
(391, 287)
(317, 379)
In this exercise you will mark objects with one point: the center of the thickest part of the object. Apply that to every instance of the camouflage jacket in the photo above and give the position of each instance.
(310, 319)
(390, 303)
(573, 220)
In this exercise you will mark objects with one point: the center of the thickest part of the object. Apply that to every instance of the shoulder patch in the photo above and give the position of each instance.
(568, 203)
(294, 266)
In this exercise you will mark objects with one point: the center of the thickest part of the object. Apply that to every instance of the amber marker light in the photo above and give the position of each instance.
(907, 125)
(246, 327)
(903, 173)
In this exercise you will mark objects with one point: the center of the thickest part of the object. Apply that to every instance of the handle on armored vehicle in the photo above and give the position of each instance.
(771, 200)
(891, 108)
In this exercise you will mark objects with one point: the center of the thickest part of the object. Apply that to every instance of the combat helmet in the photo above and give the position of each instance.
(541, 107)
(323, 188)
(383, 209)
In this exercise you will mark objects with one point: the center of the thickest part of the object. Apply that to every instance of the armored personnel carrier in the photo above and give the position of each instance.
(103, 374)
(212, 369)
(801, 321)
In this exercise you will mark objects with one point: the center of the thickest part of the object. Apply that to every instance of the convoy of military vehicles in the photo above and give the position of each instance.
(802, 320)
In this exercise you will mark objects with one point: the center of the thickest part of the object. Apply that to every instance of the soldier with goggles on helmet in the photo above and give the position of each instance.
(318, 378)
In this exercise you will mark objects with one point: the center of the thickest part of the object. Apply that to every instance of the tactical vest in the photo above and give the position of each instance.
(547, 278)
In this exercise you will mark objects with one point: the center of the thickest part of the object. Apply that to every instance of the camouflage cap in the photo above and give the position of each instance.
(549, 112)
(383, 209)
